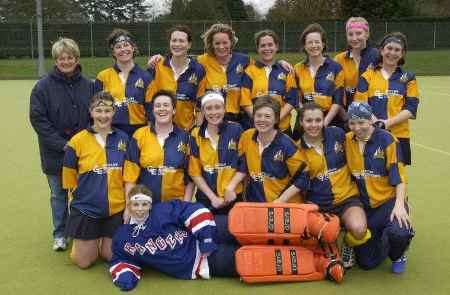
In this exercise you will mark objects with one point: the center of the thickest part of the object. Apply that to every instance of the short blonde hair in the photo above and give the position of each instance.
(214, 29)
(65, 45)
(357, 19)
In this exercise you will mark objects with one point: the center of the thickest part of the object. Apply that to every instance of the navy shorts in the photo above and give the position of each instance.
(82, 227)
(405, 148)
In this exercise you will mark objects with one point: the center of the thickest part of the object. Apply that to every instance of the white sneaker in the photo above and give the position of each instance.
(59, 244)
(348, 256)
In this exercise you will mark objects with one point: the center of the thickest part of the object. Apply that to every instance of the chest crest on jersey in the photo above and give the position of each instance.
(122, 146)
(338, 148)
(239, 69)
(193, 79)
(182, 147)
(379, 153)
(279, 156)
(330, 76)
(232, 145)
(139, 83)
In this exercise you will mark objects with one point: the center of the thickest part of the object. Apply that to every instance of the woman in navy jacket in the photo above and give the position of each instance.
(58, 110)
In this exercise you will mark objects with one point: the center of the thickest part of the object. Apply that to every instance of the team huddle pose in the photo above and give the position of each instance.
(145, 166)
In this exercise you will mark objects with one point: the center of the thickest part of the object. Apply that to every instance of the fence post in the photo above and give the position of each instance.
(335, 36)
(434, 35)
(385, 27)
(284, 36)
(31, 38)
(92, 37)
(148, 38)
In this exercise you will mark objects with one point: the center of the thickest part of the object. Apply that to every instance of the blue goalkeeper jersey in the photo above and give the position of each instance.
(173, 240)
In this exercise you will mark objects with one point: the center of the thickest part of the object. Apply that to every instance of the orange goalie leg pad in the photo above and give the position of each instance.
(259, 264)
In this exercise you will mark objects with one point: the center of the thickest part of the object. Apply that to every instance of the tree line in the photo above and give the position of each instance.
(129, 11)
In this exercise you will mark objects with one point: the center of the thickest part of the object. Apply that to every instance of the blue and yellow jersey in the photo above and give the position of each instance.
(352, 71)
(94, 173)
(271, 172)
(216, 166)
(279, 84)
(189, 87)
(326, 88)
(330, 179)
(389, 97)
(129, 98)
(163, 169)
(377, 169)
(227, 80)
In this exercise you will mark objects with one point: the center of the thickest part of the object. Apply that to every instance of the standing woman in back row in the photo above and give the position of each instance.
(320, 79)
(267, 77)
(391, 91)
(357, 58)
(126, 82)
(180, 74)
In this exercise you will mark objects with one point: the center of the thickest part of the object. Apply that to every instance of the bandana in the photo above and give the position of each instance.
(393, 40)
(121, 38)
(359, 110)
(102, 103)
(357, 25)
(141, 197)
(212, 96)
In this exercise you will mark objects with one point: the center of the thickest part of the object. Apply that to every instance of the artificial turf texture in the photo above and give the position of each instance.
(29, 266)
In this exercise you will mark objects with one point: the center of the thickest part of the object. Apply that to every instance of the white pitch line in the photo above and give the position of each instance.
(431, 149)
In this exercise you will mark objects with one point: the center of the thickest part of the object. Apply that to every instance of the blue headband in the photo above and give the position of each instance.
(359, 110)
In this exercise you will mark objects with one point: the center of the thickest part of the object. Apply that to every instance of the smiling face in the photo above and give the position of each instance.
(357, 38)
(362, 128)
(214, 111)
(264, 119)
(139, 209)
(163, 109)
(312, 122)
(313, 44)
(123, 51)
(102, 117)
(267, 48)
(221, 45)
(391, 53)
(66, 63)
(179, 44)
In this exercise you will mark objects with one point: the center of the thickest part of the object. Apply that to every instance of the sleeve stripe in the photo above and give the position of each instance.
(121, 267)
(200, 221)
(202, 224)
(195, 214)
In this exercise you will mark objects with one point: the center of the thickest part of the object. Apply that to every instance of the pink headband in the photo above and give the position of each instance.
(357, 25)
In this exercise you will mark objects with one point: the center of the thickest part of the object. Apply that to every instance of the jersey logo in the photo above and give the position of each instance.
(279, 156)
(139, 83)
(232, 145)
(330, 76)
(122, 146)
(182, 147)
(404, 78)
(281, 76)
(379, 154)
(239, 69)
(338, 148)
(193, 79)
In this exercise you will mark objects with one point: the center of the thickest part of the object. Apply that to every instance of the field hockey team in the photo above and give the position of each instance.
(192, 136)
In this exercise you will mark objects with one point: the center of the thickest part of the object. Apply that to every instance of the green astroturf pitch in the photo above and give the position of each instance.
(29, 266)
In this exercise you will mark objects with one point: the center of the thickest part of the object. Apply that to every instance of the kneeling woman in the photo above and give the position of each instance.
(178, 238)
(328, 182)
(214, 155)
(159, 154)
(269, 157)
(92, 171)
(372, 157)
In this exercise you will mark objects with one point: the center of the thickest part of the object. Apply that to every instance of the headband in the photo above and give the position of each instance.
(359, 110)
(393, 39)
(212, 96)
(357, 25)
(141, 197)
(102, 103)
(121, 38)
